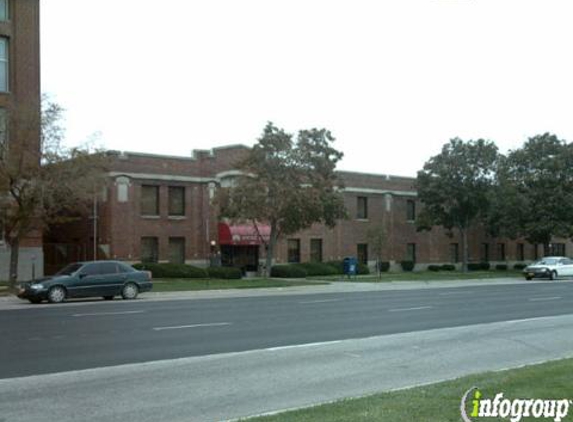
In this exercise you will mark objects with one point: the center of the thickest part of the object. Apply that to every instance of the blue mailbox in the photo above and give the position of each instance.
(350, 265)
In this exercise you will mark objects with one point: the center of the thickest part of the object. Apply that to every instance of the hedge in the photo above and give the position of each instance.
(225, 273)
(317, 268)
(501, 267)
(172, 270)
(448, 267)
(519, 266)
(339, 267)
(383, 266)
(407, 265)
(288, 271)
(434, 268)
(479, 266)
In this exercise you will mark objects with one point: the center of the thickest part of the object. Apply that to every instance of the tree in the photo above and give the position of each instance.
(534, 192)
(455, 186)
(41, 181)
(286, 184)
(377, 238)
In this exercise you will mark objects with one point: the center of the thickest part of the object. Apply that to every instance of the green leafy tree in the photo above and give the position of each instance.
(455, 187)
(287, 184)
(41, 181)
(534, 193)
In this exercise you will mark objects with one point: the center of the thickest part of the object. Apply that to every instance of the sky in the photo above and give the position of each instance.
(393, 80)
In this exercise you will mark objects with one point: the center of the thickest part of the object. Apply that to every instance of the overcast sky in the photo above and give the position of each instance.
(393, 80)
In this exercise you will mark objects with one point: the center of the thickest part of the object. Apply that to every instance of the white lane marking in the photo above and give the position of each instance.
(298, 346)
(419, 308)
(109, 313)
(455, 294)
(537, 299)
(177, 327)
(319, 301)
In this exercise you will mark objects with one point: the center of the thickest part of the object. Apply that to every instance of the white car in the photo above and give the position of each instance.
(549, 267)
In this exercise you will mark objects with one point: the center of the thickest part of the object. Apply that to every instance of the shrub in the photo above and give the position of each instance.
(519, 266)
(383, 266)
(434, 268)
(225, 273)
(407, 265)
(479, 266)
(501, 267)
(317, 268)
(448, 267)
(172, 270)
(288, 271)
(361, 269)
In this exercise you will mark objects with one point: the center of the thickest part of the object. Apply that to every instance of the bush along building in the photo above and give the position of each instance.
(163, 209)
(19, 119)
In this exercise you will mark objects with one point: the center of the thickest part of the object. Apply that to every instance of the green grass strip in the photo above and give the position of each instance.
(441, 402)
(173, 285)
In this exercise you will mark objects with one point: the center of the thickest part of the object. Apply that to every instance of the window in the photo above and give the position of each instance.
(149, 200)
(293, 253)
(484, 252)
(4, 67)
(454, 252)
(92, 269)
(410, 210)
(4, 10)
(501, 251)
(149, 249)
(315, 250)
(176, 201)
(177, 250)
(520, 252)
(558, 249)
(3, 133)
(362, 208)
(109, 268)
(535, 252)
(362, 253)
(411, 252)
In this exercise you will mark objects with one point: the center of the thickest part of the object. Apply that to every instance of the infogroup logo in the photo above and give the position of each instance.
(515, 410)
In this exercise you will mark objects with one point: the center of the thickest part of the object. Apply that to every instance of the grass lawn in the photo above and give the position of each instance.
(427, 276)
(174, 285)
(441, 402)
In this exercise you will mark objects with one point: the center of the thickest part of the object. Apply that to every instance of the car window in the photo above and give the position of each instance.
(91, 269)
(549, 261)
(108, 268)
(69, 269)
(124, 268)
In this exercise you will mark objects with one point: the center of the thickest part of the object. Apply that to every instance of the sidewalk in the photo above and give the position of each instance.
(12, 302)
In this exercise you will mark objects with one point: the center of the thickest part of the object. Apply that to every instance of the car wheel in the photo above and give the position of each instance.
(56, 294)
(528, 278)
(108, 297)
(35, 301)
(129, 291)
(552, 275)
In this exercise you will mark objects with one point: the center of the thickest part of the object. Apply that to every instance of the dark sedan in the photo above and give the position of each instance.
(87, 279)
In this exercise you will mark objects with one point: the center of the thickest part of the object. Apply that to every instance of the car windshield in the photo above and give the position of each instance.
(69, 269)
(547, 261)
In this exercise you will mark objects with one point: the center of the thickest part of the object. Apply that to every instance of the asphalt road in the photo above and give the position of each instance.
(71, 337)
(218, 359)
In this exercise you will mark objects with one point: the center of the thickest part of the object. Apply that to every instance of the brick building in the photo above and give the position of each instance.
(20, 109)
(160, 208)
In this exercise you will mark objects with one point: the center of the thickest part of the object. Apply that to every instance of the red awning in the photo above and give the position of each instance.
(243, 234)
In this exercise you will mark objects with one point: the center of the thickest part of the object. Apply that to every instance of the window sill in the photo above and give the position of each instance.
(151, 217)
(364, 220)
(177, 217)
